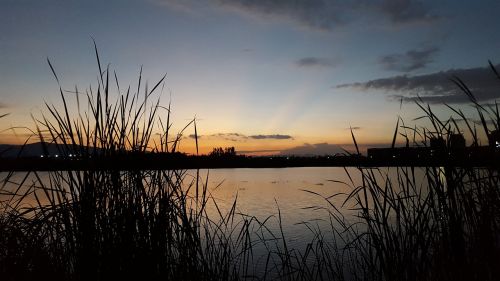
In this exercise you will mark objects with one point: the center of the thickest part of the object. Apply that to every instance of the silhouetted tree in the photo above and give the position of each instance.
(223, 152)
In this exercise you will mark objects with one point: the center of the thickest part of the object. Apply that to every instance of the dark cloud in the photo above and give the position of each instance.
(320, 14)
(276, 137)
(228, 135)
(409, 61)
(406, 11)
(315, 62)
(313, 149)
(436, 87)
(327, 14)
(240, 137)
(353, 128)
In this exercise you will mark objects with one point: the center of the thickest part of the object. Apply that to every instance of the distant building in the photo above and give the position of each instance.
(456, 141)
(494, 139)
(398, 153)
(437, 142)
(437, 147)
(454, 149)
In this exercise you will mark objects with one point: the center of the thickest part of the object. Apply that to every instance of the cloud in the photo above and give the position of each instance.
(315, 62)
(318, 14)
(313, 149)
(3, 105)
(234, 137)
(327, 14)
(436, 87)
(409, 61)
(353, 128)
(276, 137)
(406, 11)
(241, 137)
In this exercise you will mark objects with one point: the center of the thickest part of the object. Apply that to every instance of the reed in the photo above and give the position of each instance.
(433, 223)
(104, 225)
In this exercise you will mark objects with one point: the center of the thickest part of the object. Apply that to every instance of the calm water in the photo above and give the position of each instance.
(260, 192)
(299, 193)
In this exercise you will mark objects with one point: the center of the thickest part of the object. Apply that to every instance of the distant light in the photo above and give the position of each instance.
(71, 155)
(57, 155)
(41, 156)
(497, 144)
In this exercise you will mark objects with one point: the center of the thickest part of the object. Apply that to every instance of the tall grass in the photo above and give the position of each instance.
(435, 223)
(108, 225)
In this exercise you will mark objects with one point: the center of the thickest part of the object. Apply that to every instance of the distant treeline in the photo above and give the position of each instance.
(179, 161)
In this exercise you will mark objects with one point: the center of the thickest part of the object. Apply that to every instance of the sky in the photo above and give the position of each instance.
(264, 76)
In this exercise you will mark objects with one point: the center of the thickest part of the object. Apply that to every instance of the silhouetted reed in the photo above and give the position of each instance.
(107, 225)
(433, 223)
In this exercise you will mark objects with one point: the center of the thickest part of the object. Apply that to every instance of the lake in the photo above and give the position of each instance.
(260, 192)
(298, 194)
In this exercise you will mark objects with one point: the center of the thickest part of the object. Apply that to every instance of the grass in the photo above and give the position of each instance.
(102, 225)
(441, 223)
(412, 224)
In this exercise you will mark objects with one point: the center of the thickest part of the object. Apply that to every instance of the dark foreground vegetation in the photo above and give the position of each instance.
(153, 224)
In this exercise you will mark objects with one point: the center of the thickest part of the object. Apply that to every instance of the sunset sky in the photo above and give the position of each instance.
(264, 76)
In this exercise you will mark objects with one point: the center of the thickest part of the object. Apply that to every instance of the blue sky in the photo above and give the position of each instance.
(305, 69)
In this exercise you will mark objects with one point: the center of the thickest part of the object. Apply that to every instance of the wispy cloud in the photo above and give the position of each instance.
(409, 61)
(313, 149)
(315, 62)
(241, 137)
(322, 14)
(225, 136)
(319, 14)
(436, 87)
(407, 11)
(275, 137)
(327, 14)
